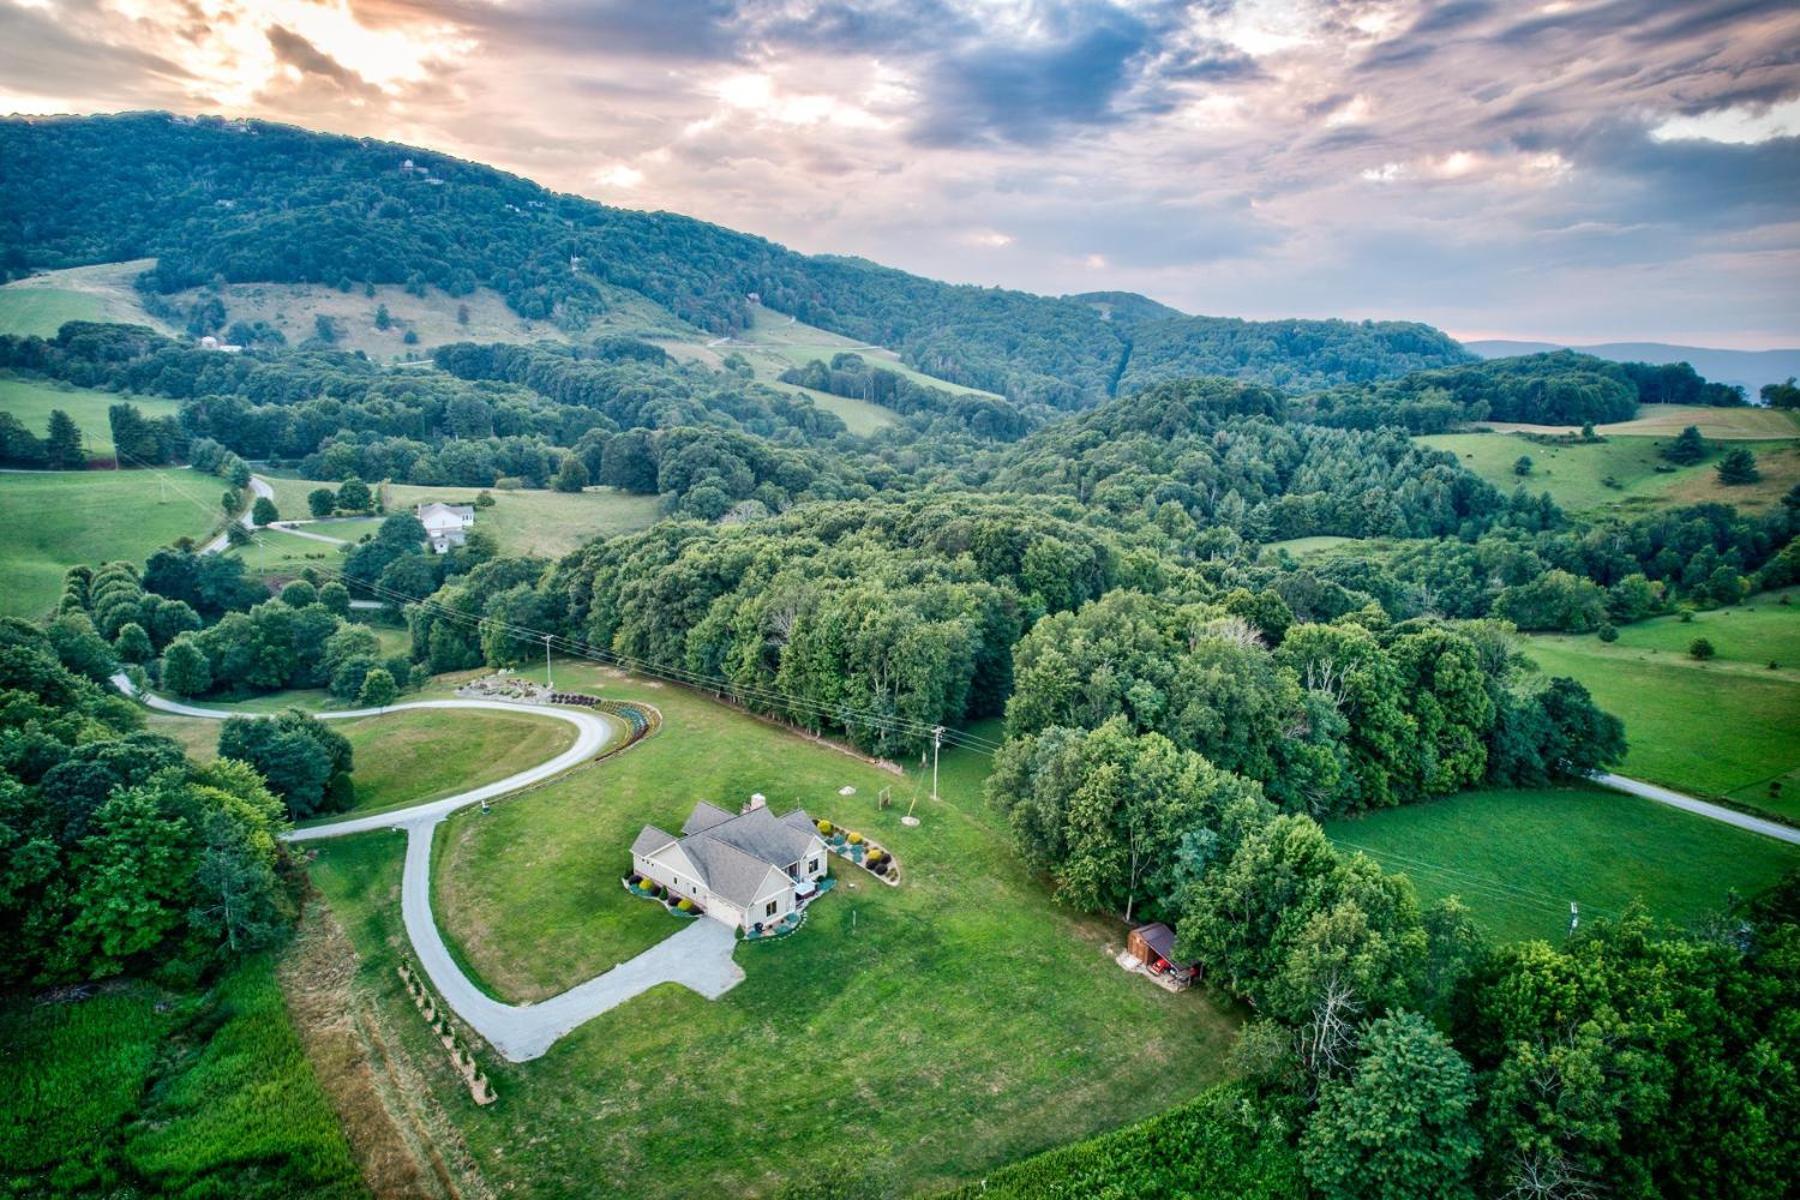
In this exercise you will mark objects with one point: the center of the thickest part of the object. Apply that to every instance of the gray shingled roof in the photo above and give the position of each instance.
(729, 872)
(651, 840)
(705, 816)
(735, 854)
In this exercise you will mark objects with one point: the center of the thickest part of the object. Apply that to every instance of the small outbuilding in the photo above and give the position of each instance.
(1154, 946)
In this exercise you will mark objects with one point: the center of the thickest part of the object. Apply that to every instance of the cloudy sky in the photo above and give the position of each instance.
(1571, 169)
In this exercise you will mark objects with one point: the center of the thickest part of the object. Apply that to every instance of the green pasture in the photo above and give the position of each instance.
(32, 400)
(1518, 858)
(53, 520)
(952, 1024)
(1748, 423)
(1577, 476)
(1726, 727)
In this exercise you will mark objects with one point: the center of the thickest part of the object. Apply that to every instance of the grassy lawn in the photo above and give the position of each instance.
(138, 1091)
(407, 757)
(1304, 546)
(50, 521)
(525, 522)
(1667, 420)
(1574, 475)
(1726, 727)
(284, 554)
(31, 400)
(947, 1026)
(1517, 858)
(859, 416)
(41, 303)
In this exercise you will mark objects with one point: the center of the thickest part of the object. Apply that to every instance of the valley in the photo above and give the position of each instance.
(556, 699)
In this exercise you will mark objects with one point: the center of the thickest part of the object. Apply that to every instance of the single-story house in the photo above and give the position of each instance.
(1154, 946)
(745, 870)
(446, 525)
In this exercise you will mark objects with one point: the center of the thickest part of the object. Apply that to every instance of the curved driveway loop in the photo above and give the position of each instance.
(699, 957)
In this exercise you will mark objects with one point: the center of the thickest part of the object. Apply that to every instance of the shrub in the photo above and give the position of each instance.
(856, 839)
(825, 828)
(685, 905)
(1609, 633)
(1701, 649)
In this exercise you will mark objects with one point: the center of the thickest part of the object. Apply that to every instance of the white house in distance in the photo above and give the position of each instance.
(446, 525)
(745, 870)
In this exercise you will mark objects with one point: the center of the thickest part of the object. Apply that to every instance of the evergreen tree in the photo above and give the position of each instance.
(1738, 468)
(1687, 449)
(62, 447)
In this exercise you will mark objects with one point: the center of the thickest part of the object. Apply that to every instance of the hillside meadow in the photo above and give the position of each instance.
(1518, 858)
(952, 1024)
(53, 520)
(1724, 727)
(32, 401)
(1623, 474)
(1746, 423)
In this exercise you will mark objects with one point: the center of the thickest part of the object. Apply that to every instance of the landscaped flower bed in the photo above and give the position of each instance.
(876, 859)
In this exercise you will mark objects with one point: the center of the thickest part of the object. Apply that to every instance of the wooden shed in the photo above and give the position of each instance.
(1154, 946)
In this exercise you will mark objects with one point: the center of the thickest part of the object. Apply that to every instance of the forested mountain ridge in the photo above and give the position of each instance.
(250, 201)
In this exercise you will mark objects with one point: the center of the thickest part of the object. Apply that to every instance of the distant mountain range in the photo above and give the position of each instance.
(1748, 369)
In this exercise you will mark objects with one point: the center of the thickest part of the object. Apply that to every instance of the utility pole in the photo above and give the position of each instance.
(1574, 916)
(548, 682)
(937, 739)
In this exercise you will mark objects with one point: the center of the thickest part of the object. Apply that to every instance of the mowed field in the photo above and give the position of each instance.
(32, 401)
(1518, 858)
(1747, 423)
(51, 521)
(40, 304)
(413, 756)
(1577, 477)
(1728, 727)
(538, 522)
(935, 1030)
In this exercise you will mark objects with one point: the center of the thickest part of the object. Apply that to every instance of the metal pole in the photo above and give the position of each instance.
(548, 682)
(937, 739)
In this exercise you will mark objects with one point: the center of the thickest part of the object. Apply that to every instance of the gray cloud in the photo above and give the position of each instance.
(1484, 165)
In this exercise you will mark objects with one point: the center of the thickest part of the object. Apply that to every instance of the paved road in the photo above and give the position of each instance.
(699, 957)
(258, 487)
(1715, 812)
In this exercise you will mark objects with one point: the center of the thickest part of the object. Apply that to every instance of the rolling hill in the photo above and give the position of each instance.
(1748, 369)
(220, 203)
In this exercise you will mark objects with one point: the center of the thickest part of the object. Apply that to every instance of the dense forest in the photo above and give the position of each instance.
(252, 201)
(1562, 387)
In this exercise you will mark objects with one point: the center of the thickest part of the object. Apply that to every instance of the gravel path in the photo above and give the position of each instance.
(293, 527)
(699, 957)
(1704, 808)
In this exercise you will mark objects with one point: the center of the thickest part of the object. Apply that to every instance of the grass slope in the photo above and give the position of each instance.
(1727, 727)
(294, 308)
(1517, 858)
(1575, 475)
(276, 553)
(31, 401)
(50, 521)
(933, 1031)
(1666, 420)
(524, 521)
(104, 292)
(142, 1092)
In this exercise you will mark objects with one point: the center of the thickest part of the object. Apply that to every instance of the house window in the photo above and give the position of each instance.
(812, 868)
(770, 907)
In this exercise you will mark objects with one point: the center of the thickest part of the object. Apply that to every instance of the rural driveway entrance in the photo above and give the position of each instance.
(699, 957)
